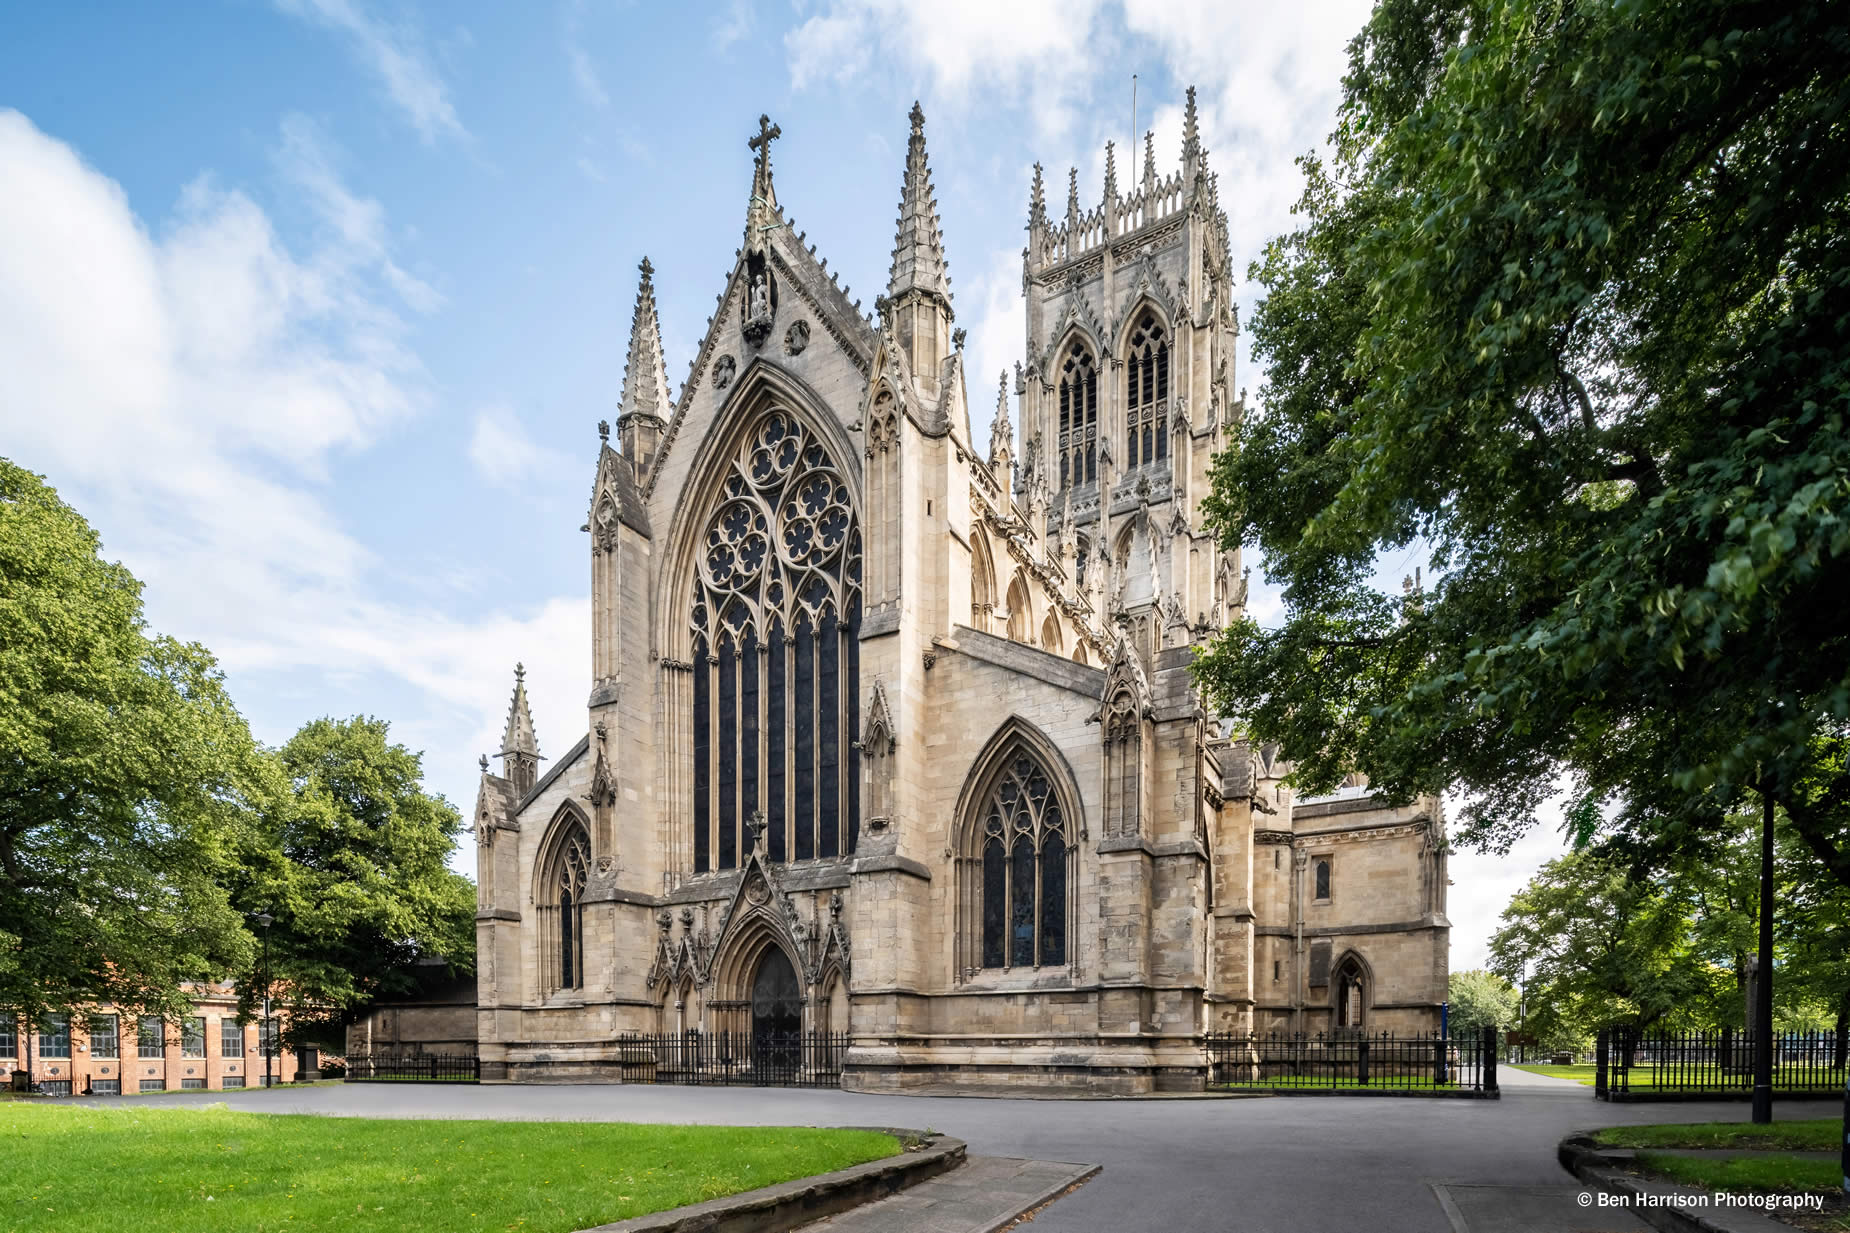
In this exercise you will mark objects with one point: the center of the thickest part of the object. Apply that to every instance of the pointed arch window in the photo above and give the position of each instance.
(1078, 440)
(1024, 856)
(1147, 394)
(561, 894)
(775, 619)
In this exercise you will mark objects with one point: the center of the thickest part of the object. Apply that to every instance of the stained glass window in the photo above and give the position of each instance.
(780, 560)
(562, 911)
(1323, 879)
(1024, 856)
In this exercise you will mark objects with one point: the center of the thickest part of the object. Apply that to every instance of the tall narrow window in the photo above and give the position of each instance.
(1146, 400)
(230, 1038)
(561, 908)
(55, 1036)
(105, 1039)
(775, 717)
(1025, 868)
(9, 1034)
(1078, 441)
(1323, 878)
(193, 1037)
(150, 1037)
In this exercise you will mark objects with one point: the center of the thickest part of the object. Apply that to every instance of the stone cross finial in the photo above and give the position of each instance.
(603, 430)
(484, 764)
(520, 672)
(757, 825)
(761, 144)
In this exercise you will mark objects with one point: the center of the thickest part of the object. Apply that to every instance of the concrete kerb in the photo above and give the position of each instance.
(773, 1209)
(1655, 1202)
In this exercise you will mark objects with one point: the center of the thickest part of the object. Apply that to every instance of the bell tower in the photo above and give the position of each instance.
(1129, 389)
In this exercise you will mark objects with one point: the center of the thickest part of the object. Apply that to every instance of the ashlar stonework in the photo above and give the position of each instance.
(912, 719)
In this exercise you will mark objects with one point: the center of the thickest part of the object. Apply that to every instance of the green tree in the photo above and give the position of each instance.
(126, 779)
(1569, 308)
(350, 864)
(1602, 946)
(1477, 1000)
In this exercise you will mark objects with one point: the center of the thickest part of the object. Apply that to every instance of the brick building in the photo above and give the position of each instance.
(104, 1051)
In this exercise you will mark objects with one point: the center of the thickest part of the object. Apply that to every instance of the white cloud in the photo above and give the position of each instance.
(396, 56)
(584, 76)
(1483, 883)
(187, 390)
(732, 25)
(508, 458)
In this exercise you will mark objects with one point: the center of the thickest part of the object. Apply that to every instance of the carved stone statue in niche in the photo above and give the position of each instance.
(759, 307)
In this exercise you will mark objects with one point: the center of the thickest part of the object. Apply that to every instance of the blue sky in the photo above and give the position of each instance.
(312, 306)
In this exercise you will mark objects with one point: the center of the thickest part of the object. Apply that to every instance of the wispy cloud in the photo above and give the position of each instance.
(733, 24)
(507, 457)
(239, 369)
(396, 56)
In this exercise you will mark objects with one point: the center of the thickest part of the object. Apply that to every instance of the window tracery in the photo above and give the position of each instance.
(1078, 441)
(1147, 394)
(561, 907)
(1024, 859)
(775, 617)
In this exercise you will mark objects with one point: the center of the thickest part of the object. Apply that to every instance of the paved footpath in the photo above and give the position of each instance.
(1281, 1164)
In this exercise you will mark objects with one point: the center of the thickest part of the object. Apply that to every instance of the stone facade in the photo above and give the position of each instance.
(895, 736)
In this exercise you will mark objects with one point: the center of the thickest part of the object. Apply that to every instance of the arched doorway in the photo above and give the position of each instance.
(777, 1016)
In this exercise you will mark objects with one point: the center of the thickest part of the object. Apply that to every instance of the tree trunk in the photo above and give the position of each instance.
(1839, 1050)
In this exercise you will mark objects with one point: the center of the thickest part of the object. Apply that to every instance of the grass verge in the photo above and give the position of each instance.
(1817, 1135)
(201, 1170)
(1736, 1173)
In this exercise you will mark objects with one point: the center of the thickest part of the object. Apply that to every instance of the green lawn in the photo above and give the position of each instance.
(1817, 1135)
(72, 1169)
(1737, 1173)
(1642, 1076)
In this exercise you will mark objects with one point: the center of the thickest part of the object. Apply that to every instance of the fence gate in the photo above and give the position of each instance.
(763, 1057)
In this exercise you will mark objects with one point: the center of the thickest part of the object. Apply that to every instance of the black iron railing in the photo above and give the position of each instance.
(412, 1067)
(1339, 1061)
(750, 1059)
(1632, 1065)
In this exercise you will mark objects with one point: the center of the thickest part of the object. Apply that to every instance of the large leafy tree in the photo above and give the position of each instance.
(1478, 999)
(1592, 944)
(1568, 308)
(350, 866)
(126, 779)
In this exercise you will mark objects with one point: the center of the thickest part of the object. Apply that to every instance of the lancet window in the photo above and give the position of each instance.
(1147, 394)
(1078, 440)
(1025, 862)
(775, 618)
(561, 907)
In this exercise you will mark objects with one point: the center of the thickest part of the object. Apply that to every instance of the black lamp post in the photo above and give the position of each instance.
(264, 919)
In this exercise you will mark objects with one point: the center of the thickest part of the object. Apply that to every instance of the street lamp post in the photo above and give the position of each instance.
(264, 919)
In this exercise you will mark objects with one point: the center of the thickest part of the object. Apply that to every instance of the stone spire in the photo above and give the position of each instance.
(1111, 173)
(644, 410)
(1037, 201)
(520, 746)
(1149, 164)
(1191, 136)
(1072, 205)
(918, 250)
(1001, 433)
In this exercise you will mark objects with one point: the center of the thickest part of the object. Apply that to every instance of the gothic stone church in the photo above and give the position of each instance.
(892, 734)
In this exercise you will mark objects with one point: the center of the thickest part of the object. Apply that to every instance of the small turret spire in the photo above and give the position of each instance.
(520, 745)
(761, 214)
(1191, 131)
(1149, 162)
(1072, 203)
(1001, 432)
(1037, 201)
(1111, 174)
(918, 249)
(645, 405)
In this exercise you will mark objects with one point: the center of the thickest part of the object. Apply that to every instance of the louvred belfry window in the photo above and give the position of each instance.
(1147, 394)
(1078, 441)
(775, 619)
(1024, 869)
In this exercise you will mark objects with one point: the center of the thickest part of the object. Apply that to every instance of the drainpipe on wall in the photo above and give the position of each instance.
(1300, 973)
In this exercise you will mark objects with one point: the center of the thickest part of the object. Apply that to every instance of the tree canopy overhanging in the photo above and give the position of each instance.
(1568, 307)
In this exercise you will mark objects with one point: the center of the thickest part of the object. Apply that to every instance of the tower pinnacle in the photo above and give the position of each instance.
(644, 409)
(520, 746)
(918, 249)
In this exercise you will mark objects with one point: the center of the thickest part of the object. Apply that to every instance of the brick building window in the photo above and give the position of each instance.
(106, 1087)
(55, 1037)
(234, 1081)
(105, 1037)
(9, 1035)
(192, 1085)
(150, 1038)
(56, 1087)
(193, 1037)
(154, 1085)
(230, 1039)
